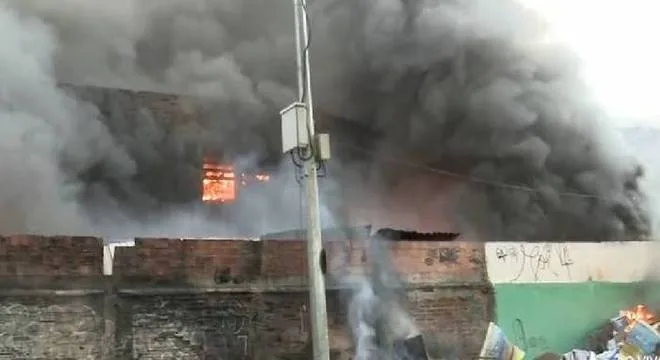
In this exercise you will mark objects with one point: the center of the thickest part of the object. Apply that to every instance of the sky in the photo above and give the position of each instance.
(617, 43)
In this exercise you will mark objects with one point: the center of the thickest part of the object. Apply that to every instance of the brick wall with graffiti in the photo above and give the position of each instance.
(71, 298)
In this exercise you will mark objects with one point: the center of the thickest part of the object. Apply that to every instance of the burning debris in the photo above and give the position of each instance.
(633, 334)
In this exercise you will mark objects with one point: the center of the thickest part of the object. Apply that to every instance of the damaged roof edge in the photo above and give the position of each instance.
(408, 235)
(336, 232)
(366, 231)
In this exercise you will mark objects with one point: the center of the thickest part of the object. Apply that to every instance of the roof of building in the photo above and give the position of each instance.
(406, 235)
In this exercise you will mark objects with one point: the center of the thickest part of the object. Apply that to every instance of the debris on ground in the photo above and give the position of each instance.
(497, 347)
(635, 334)
(411, 348)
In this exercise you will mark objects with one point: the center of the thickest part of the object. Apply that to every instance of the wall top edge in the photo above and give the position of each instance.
(570, 262)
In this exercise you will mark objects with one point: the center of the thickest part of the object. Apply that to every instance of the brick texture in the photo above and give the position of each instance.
(453, 319)
(49, 328)
(50, 262)
(224, 299)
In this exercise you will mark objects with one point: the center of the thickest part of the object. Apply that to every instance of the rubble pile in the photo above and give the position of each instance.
(635, 334)
(632, 334)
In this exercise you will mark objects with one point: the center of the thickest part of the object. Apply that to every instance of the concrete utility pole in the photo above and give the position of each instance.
(318, 311)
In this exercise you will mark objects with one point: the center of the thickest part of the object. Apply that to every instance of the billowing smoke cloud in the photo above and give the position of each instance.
(45, 134)
(82, 160)
(376, 316)
(471, 87)
(465, 86)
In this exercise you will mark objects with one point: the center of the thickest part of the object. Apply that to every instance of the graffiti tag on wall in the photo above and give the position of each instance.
(537, 261)
(447, 255)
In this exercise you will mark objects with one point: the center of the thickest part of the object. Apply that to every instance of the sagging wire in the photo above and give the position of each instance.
(463, 177)
(299, 173)
(295, 162)
(320, 168)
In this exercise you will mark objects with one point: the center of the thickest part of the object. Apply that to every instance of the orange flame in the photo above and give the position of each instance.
(218, 183)
(262, 177)
(638, 313)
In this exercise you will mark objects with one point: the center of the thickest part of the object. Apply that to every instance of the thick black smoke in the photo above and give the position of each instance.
(466, 86)
(469, 86)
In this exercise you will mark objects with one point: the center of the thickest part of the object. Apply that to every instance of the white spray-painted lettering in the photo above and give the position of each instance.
(537, 261)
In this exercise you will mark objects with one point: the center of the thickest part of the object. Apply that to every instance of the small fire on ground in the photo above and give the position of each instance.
(639, 313)
(220, 183)
(635, 334)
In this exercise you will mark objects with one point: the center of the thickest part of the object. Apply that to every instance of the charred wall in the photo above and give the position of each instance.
(195, 299)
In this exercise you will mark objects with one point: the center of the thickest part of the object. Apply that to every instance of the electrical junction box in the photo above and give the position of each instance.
(323, 147)
(294, 127)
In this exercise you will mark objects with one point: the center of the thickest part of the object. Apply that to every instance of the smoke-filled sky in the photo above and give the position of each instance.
(461, 85)
(616, 49)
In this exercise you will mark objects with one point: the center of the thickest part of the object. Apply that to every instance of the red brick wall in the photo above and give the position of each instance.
(194, 262)
(167, 296)
(449, 262)
(37, 322)
(50, 256)
(198, 261)
(29, 261)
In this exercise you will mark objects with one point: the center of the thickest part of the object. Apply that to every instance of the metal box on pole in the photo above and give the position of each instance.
(294, 127)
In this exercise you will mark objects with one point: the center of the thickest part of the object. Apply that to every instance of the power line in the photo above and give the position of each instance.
(467, 178)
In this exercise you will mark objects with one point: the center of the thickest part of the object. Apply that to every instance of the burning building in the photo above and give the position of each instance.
(176, 163)
(183, 153)
(221, 184)
(182, 159)
(478, 124)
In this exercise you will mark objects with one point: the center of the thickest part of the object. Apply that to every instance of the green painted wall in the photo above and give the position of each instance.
(557, 317)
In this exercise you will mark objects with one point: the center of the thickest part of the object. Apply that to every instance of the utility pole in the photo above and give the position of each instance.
(318, 311)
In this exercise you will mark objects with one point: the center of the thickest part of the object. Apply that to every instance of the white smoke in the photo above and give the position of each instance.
(376, 309)
(53, 138)
(361, 308)
(43, 132)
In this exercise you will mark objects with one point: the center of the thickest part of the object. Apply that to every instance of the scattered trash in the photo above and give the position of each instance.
(497, 346)
(579, 355)
(549, 356)
(634, 336)
(412, 348)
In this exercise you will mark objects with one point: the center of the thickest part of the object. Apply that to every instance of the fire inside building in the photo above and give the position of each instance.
(185, 154)
(221, 184)
(181, 298)
(176, 162)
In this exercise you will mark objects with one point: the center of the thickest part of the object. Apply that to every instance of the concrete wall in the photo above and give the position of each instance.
(552, 297)
(223, 299)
